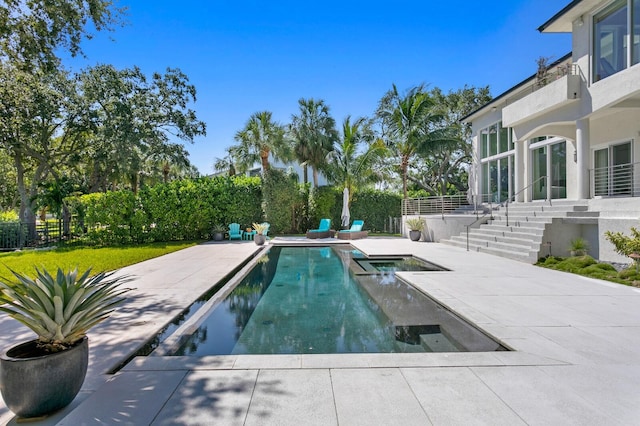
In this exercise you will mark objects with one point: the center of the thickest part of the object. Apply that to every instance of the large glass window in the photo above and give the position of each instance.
(613, 170)
(493, 140)
(550, 171)
(610, 40)
(484, 140)
(635, 32)
(559, 170)
(504, 138)
(540, 173)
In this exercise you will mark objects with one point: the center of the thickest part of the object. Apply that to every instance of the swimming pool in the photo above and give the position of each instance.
(305, 300)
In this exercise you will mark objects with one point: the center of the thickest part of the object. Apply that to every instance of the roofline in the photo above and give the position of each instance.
(514, 88)
(557, 16)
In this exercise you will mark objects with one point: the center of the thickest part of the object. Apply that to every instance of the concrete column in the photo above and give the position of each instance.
(518, 170)
(582, 157)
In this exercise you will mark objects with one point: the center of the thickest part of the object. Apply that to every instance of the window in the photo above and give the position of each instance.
(495, 140)
(610, 40)
(635, 32)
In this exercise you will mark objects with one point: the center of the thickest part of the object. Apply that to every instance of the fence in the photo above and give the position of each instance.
(15, 235)
(617, 180)
(434, 205)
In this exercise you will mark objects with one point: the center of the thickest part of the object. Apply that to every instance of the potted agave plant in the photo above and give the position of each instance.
(44, 375)
(261, 231)
(416, 226)
(218, 231)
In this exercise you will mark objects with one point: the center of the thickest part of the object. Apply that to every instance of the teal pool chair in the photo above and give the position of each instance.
(266, 231)
(235, 233)
(355, 232)
(323, 231)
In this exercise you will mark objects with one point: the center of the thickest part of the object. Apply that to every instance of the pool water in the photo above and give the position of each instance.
(305, 300)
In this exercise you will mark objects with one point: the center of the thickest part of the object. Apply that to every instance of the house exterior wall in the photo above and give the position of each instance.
(588, 115)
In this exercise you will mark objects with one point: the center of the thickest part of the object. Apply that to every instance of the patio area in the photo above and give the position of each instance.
(576, 357)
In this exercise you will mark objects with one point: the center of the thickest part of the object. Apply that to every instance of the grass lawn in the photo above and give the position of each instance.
(97, 258)
(589, 267)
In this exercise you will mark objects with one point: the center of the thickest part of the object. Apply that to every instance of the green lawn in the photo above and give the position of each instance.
(589, 267)
(97, 258)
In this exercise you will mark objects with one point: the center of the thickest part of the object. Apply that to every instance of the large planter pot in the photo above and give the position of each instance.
(259, 239)
(33, 384)
(218, 236)
(414, 235)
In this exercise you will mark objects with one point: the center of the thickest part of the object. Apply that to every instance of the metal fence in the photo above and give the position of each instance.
(434, 205)
(619, 180)
(16, 235)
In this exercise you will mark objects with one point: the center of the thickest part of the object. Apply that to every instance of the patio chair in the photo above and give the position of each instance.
(266, 231)
(355, 232)
(235, 233)
(323, 231)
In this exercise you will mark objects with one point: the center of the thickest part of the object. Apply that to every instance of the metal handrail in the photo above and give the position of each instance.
(506, 204)
(470, 225)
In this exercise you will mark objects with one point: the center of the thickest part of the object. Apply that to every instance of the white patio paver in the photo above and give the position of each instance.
(576, 361)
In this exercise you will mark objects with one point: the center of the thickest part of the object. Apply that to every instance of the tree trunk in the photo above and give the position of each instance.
(26, 208)
(403, 169)
(305, 174)
(315, 176)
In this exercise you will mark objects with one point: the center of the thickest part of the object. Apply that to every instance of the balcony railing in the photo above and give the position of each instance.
(543, 79)
(622, 180)
(434, 205)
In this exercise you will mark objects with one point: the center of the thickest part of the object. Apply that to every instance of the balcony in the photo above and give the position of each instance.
(548, 93)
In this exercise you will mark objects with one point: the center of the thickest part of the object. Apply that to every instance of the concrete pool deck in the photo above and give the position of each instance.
(576, 358)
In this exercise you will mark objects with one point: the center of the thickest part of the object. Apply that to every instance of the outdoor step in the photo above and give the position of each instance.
(515, 232)
(517, 247)
(523, 225)
(562, 208)
(541, 217)
(583, 214)
(532, 241)
(526, 256)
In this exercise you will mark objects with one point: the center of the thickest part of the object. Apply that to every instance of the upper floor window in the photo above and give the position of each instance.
(494, 140)
(616, 38)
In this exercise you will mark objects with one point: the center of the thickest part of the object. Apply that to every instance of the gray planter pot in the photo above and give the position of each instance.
(34, 385)
(218, 236)
(414, 235)
(259, 239)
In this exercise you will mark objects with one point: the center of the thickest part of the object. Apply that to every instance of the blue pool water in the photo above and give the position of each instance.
(304, 300)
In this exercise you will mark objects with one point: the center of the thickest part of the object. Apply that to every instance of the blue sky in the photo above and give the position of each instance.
(250, 56)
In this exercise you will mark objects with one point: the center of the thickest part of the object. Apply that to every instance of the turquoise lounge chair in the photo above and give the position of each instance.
(235, 233)
(266, 231)
(355, 232)
(323, 231)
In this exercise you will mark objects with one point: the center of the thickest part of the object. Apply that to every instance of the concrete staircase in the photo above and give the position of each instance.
(522, 238)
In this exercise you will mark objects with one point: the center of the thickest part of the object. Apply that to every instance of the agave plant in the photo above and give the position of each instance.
(61, 309)
(415, 223)
(260, 228)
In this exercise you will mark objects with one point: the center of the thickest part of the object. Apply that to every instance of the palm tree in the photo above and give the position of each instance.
(409, 125)
(314, 133)
(260, 138)
(225, 164)
(348, 166)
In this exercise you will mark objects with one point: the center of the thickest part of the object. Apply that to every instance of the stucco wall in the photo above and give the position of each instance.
(439, 228)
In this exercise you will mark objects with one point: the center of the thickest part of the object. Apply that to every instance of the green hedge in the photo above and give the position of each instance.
(188, 209)
(180, 210)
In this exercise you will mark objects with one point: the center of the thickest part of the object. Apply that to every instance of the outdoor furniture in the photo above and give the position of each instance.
(323, 230)
(266, 231)
(355, 232)
(248, 235)
(235, 233)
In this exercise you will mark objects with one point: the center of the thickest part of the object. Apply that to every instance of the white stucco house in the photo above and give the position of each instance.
(563, 146)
